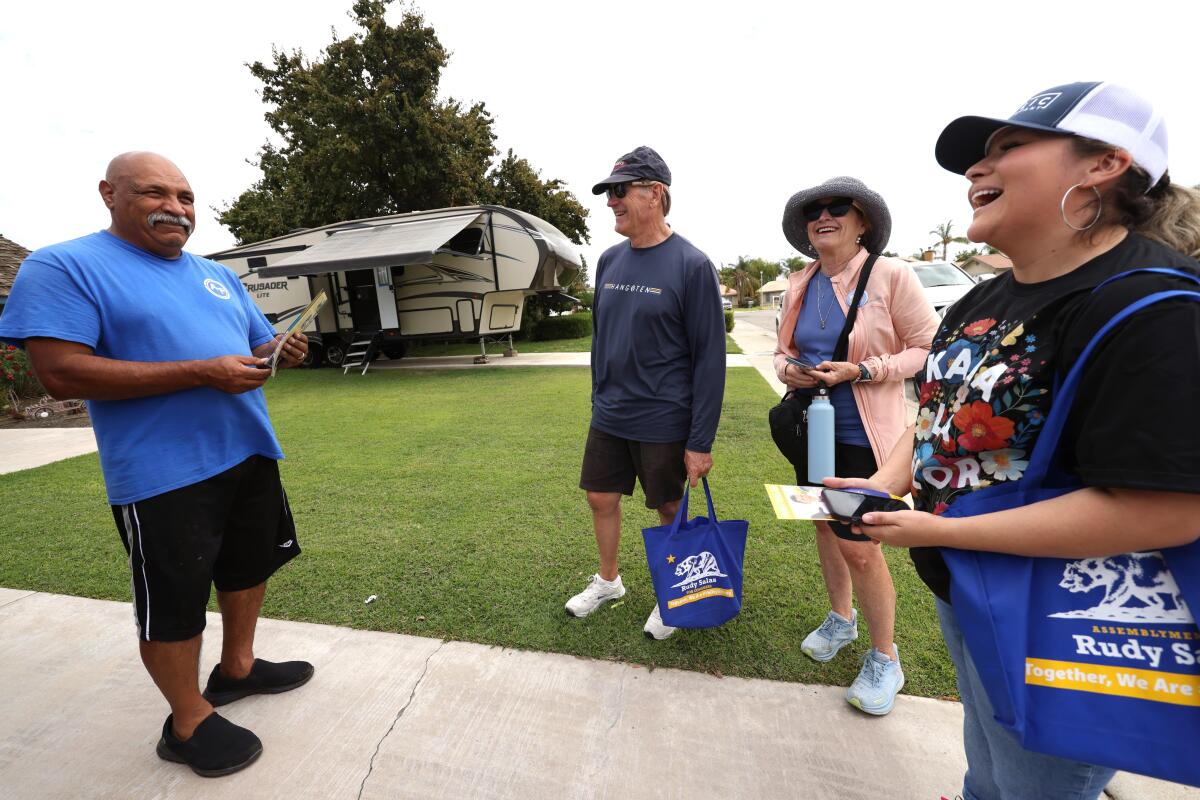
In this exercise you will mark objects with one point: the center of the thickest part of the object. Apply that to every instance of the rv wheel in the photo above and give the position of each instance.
(396, 351)
(335, 353)
(315, 355)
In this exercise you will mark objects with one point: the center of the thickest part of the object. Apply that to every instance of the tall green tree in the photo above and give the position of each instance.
(743, 280)
(795, 263)
(516, 184)
(762, 269)
(361, 133)
(945, 236)
(747, 275)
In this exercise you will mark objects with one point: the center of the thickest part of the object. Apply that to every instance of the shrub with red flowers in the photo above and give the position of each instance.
(16, 376)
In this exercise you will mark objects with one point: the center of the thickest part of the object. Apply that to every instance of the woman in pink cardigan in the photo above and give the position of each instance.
(841, 222)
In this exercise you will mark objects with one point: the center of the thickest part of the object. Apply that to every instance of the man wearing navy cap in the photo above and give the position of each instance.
(658, 368)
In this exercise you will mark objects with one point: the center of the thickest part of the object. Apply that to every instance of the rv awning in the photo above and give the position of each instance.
(408, 242)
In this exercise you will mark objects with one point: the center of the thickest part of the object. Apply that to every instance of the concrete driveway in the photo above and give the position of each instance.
(24, 448)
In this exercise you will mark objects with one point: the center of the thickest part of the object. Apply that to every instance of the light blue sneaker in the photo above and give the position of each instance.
(835, 633)
(880, 679)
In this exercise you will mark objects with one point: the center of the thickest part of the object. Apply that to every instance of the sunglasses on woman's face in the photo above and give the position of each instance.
(837, 207)
(618, 190)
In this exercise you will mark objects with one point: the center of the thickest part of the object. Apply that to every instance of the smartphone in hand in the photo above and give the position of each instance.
(849, 505)
(797, 362)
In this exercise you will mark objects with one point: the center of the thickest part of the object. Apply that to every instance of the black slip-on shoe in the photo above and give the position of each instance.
(217, 747)
(265, 677)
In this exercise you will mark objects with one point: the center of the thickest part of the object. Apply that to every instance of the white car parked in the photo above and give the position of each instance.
(944, 283)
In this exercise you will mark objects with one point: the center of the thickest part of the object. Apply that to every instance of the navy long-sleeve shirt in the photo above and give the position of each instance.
(658, 344)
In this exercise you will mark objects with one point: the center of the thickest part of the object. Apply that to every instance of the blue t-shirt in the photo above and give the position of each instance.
(816, 345)
(658, 344)
(130, 305)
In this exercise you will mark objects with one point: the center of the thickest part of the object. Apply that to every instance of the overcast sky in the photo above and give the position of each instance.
(747, 102)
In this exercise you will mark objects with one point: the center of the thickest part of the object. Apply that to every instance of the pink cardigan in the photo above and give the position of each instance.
(891, 337)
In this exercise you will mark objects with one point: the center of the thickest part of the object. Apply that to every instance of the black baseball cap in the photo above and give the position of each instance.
(1093, 109)
(643, 164)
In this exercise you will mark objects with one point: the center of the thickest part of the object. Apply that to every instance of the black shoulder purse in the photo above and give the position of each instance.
(789, 416)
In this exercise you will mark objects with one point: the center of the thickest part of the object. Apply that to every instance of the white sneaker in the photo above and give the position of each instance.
(598, 592)
(654, 627)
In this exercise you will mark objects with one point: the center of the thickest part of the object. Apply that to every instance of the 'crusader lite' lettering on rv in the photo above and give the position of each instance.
(265, 286)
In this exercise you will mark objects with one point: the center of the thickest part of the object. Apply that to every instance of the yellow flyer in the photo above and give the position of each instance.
(302, 319)
(797, 502)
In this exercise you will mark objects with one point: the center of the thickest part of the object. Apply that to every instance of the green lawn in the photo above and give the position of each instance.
(452, 495)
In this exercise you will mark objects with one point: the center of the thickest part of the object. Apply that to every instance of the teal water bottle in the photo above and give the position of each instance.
(820, 437)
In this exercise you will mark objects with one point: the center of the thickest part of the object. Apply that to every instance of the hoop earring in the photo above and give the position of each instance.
(1062, 208)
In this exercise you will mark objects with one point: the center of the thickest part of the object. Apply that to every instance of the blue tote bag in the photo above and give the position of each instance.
(1094, 659)
(696, 566)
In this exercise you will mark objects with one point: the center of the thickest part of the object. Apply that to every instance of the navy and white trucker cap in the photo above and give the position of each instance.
(1096, 110)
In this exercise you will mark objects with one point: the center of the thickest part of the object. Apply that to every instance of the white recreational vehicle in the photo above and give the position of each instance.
(454, 273)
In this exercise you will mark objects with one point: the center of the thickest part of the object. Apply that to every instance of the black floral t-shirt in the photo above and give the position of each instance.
(985, 391)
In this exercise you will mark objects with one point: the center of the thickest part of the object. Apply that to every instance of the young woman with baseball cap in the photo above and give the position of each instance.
(1074, 189)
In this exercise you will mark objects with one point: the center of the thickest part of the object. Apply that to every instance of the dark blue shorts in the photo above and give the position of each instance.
(232, 530)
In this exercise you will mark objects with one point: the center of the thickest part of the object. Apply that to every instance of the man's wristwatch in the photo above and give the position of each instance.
(863, 374)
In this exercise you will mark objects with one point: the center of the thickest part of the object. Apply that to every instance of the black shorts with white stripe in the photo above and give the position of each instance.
(232, 530)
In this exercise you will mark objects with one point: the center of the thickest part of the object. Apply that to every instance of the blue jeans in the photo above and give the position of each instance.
(998, 768)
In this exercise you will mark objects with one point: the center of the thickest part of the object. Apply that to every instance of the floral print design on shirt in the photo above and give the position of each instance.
(983, 401)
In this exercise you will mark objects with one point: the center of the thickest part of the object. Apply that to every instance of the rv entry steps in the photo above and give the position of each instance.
(360, 354)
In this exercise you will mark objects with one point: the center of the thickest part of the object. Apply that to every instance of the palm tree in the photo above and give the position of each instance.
(743, 280)
(945, 238)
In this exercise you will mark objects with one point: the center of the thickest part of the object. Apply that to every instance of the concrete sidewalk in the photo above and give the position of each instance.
(521, 360)
(393, 716)
(25, 448)
(758, 347)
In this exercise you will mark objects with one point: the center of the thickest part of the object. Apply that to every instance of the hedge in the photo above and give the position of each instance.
(579, 324)
(567, 326)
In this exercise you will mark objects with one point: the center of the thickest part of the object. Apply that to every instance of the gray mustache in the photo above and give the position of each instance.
(170, 219)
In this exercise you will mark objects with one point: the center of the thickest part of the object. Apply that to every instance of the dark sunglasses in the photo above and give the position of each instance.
(837, 207)
(618, 190)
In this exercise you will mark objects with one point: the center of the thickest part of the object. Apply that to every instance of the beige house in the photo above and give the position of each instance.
(771, 292)
(990, 265)
(11, 256)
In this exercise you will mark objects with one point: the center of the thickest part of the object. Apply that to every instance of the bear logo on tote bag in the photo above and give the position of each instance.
(695, 569)
(1138, 587)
